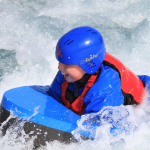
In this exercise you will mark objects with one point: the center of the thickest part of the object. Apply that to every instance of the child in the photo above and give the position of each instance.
(88, 77)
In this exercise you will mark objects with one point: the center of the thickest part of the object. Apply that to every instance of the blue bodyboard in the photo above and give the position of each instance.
(35, 105)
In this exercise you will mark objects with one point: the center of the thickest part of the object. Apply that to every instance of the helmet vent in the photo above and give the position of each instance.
(90, 64)
(94, 32)
(101, 40)
(68, 41)
(91, 32)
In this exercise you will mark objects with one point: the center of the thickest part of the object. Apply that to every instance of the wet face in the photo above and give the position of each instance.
(71, 73)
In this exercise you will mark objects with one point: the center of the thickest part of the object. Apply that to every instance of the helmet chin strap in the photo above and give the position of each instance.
(82, 82)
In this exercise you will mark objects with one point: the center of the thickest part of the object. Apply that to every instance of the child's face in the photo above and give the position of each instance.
(71, 73)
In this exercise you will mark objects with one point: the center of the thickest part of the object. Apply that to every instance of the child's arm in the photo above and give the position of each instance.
(105, 92)
(145, 80)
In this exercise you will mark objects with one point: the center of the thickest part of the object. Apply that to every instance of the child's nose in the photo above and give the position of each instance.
(60, 66)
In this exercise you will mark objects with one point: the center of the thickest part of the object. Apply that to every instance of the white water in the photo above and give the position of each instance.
(29, 31)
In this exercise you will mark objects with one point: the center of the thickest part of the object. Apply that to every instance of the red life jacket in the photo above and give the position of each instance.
(130, 84)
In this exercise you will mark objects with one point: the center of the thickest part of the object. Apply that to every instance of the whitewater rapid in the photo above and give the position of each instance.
(29, 31)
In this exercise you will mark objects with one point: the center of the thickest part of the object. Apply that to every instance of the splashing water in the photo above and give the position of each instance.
(29, 31)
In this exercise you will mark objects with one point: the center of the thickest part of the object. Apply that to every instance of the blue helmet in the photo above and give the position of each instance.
(83, 46)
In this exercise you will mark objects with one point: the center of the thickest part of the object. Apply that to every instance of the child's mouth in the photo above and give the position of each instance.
(65, 75)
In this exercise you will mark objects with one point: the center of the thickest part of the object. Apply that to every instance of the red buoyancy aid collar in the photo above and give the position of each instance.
(78, 105)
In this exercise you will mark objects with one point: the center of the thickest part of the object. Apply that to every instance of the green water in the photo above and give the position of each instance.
(8, 62)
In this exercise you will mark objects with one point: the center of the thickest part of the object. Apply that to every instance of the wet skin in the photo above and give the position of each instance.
(71, 73)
